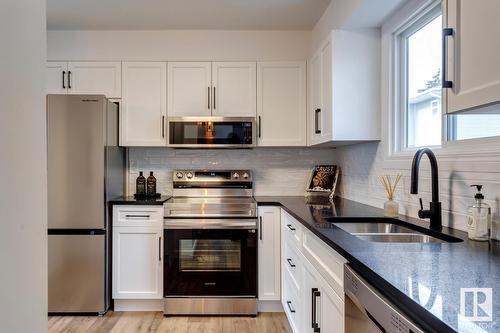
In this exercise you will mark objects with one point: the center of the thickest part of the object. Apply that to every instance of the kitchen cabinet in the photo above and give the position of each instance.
(189, 89)
(344, 94)
(87, 78)
(144, 104)
(234, 89)
(324, 310)
(204, 89)
(269, 248)
(312, 280)
(137, 252)
(281, 103)
(473, 65)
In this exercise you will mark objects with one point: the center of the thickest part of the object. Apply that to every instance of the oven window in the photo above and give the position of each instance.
(209, 255)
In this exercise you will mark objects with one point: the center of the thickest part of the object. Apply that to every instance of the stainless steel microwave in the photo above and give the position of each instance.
(211, 132)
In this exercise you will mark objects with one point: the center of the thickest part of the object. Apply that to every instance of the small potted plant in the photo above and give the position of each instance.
(391, 208)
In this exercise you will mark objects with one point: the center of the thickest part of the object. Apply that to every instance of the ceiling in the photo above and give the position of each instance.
(184, 14)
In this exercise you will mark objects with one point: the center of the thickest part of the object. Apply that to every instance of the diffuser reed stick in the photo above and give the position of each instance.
(390, 185)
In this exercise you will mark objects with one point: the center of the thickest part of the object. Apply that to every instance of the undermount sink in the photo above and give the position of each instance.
(387, 232)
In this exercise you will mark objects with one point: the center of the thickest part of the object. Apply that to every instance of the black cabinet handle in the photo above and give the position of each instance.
(163, 126)
(260, 227)
(208, 89)
(137, 216)
(446, 33)
(290, 227)
(214, 97)
(290, 262)
(317, 130)
(64, 79)
(292, 310)
(69, 79)
(314, 293)
(159, 249)
(260, 127)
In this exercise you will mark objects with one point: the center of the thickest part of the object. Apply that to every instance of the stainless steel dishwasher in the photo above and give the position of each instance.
(367, 311)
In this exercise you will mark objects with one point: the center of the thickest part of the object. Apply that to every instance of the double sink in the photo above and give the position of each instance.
(385, 230)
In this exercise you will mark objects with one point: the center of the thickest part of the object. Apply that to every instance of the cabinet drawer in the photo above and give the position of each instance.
(291, 228)
(293, 309)
(133, 216)
(329, 263)
(293, 266)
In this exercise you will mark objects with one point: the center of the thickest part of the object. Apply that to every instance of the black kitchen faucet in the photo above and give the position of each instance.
(434, 213)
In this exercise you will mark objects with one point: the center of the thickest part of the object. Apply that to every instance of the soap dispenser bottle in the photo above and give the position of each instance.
(479, 219)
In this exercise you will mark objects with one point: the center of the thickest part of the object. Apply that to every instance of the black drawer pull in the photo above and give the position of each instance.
(289, 303)
(290, 262)
(137, 216)
(315, 325)
(290, 227)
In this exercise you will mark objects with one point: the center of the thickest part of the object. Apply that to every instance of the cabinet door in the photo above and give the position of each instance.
(281, 103)
(137, 263)
(473, 62)
(326, 114)
(56, 77)
(315, 104)
(234, 89)
(269, 254)
(99, 78)
(324, 310)
(144, 104)
(189, 89)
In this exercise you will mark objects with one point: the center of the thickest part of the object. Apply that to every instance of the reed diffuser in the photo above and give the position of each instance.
(391, 208)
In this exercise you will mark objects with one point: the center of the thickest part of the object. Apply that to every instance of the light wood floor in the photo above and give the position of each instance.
(145, 322)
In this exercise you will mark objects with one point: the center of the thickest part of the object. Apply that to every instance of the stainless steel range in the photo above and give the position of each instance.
(210, 232)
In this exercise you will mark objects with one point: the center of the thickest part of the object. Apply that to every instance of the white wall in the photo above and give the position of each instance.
(184, 45)
(277, 171)
(23, 212)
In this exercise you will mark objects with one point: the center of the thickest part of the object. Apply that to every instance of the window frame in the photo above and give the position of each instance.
(411, 26)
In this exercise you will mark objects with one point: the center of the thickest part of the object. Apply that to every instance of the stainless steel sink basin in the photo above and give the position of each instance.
(385, 232)
(399, 238)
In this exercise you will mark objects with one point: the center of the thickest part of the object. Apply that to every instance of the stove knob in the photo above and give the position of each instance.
(179, 175)
(189, 175)
(236, 175)
(246, 176)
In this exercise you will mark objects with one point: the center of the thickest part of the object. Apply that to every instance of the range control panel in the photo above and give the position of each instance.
(212, 175)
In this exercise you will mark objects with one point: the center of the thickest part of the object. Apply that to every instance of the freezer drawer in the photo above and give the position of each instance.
(76, 267)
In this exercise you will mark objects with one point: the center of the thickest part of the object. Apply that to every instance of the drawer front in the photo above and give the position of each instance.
(291, 228)
(327, 261)
(133, 216)
(293, 265)
(293, 309)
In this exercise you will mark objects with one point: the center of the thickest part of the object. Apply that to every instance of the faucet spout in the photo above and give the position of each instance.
(434, 214)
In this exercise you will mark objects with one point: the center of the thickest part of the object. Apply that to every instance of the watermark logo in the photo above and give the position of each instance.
(476, 304)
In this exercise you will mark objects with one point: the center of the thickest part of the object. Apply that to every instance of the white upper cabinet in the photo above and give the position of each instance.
(473, 62)
(56, 77)
(92, 77)
(144, 104)
(234, 89)
(269, 248)
(189, 89)
(281, 103)
(344, 93)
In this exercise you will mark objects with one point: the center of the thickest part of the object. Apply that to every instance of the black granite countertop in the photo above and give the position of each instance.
(422, 279)
(130, 200)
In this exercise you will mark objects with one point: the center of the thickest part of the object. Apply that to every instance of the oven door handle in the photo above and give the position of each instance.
(170, 223)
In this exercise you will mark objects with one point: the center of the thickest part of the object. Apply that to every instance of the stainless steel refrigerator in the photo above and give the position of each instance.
(85, 169)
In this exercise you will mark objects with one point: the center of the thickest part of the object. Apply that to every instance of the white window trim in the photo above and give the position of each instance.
(392, 99)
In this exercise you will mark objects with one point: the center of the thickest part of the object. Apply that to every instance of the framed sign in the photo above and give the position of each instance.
(323, 180)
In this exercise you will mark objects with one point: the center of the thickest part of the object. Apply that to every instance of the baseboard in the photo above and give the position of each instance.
(269, 306)
(139, 304)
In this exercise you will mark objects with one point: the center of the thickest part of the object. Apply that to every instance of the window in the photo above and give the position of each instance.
(481, 123)
(420, 76)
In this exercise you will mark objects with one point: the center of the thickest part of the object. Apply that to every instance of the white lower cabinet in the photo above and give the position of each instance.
(312, 290)
(137, 253)
(269, 254)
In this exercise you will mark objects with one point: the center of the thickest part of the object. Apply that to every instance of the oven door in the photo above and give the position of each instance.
(219, 132)
(210, 262)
